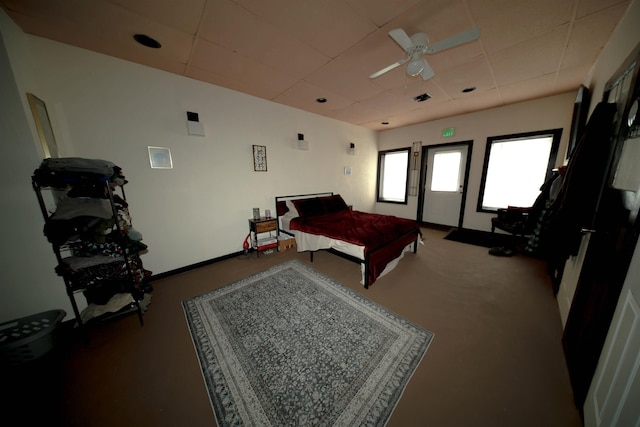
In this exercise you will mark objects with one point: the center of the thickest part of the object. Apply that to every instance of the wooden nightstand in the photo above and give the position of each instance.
(262, 232)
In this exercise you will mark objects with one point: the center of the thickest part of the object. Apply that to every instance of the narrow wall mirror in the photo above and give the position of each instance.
(43, 126)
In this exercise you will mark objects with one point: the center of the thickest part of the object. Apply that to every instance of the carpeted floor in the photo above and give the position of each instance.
(497, 359)
(483, 238)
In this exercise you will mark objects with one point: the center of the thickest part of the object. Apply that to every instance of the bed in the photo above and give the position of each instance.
(323, 221)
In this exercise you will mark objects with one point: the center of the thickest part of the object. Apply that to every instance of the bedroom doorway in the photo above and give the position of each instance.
(445, 178)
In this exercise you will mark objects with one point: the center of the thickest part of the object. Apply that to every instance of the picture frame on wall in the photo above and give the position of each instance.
(160, 158)
(43, 126)
(259, 158)
(579, 120)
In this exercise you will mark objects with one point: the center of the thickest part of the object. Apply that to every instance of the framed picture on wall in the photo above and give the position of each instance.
(259, 158)
(43, 126)
(580, 110)
(160, 158)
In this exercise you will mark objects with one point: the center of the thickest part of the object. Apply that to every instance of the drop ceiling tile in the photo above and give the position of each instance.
(451, 58)
(508, 22)
(390, 104)
(395, 78)
(534, 88)
(316, 23)
(373, 125)
(426, 113)
(439, 19)
(261, 8)
(480, 100)
(358, 113)
(587, 7)
(420, 112)
(260, 89)
(571, 78)
(238, 68)
(380, 12)
(415, 86)
(390, 108)
(107, 29)
(348, 74)
(183, 16)
(475, 73)
(590, 34)
(303, 95)
(529, 59)
(230, 26)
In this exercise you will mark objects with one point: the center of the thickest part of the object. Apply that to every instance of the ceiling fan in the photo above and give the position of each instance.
(417, 45)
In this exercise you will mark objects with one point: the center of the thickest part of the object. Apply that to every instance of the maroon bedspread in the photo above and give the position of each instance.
(383, 236)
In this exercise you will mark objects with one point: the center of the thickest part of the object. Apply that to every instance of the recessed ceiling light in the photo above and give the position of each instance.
(321, 100)
(385, 123)
(468, 89)
(147, 41)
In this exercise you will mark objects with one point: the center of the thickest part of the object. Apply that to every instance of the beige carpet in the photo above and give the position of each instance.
(496, 360)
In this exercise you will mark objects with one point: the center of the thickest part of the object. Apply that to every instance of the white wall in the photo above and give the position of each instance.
(113, 109)
(542, 114)
(106, 108)
(27, 282)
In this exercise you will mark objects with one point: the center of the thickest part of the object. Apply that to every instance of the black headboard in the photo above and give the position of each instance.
(282, 199)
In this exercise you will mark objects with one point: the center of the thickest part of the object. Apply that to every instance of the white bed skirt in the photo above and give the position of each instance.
(312, 242)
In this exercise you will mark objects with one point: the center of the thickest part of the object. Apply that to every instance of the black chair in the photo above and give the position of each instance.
(514, 220)
(522, 221)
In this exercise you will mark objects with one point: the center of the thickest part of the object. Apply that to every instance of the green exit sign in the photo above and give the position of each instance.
(448, 132)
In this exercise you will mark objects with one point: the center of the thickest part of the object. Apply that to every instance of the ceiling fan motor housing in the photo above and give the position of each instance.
(420, 43)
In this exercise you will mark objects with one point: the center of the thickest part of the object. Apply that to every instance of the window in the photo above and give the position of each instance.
(393, 170)
(515, 167)
(446, 171)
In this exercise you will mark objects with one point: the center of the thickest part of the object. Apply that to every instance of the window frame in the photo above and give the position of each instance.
(380, 177)
(556, 135)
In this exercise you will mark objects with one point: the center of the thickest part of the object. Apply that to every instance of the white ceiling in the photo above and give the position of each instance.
(295, 51)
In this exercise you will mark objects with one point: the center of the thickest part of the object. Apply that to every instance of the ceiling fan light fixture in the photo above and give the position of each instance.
(415, 67)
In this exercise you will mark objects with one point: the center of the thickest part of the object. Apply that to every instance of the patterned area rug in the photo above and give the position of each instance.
(292, 347)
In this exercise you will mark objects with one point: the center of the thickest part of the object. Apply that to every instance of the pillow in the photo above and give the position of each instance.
(292, 211)
(333, 203)
(281, 207)
(309, 207)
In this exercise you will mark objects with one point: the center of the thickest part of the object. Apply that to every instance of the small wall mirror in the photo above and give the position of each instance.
(43, 126)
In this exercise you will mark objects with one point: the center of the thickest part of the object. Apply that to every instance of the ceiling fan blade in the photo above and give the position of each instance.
(389, 68)
(401, 38)
(427, 71)
(454, 41)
